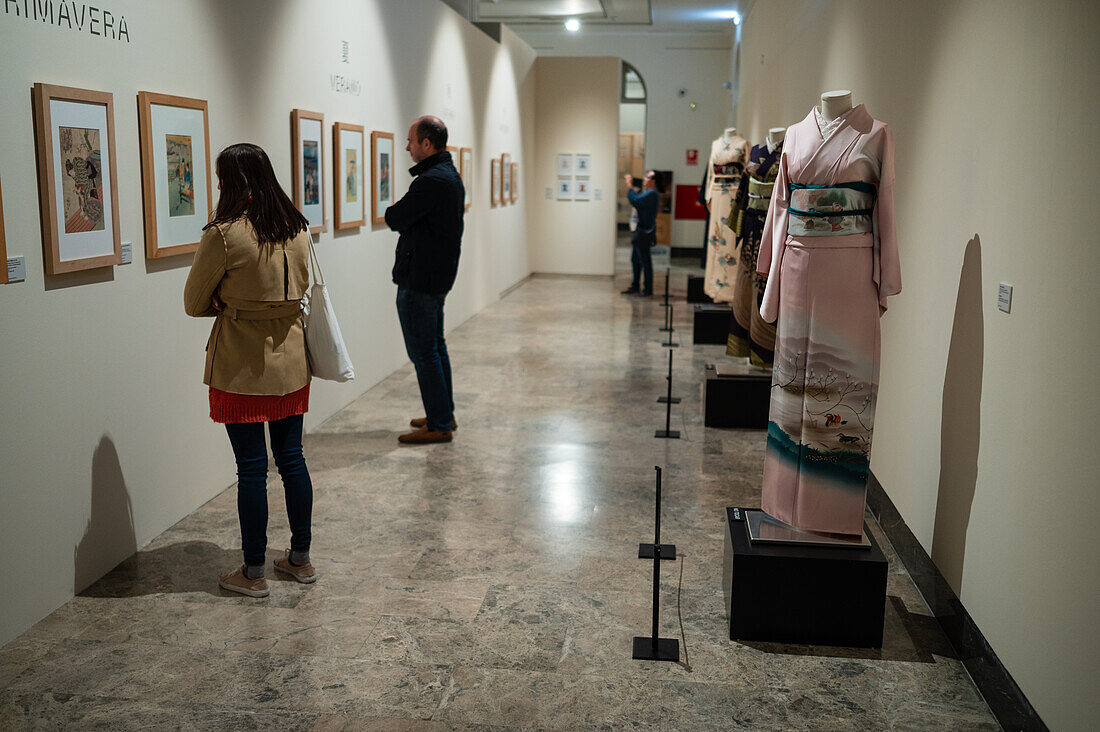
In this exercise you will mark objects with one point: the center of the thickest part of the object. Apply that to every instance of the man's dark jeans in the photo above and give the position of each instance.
(421, 317)
(641, 259)
(250, 451)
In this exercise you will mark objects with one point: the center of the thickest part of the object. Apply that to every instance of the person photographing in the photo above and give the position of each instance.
(645, 202)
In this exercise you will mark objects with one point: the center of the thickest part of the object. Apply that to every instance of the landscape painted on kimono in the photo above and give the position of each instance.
(82, 182)
(351, 177)
(383, 177)
(822, 412)
(311, 173)
(181, 184)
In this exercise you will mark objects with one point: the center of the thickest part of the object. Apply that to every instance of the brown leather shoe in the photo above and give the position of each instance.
(423, 422)
(424, 436)
(237, 582)
(304, 573)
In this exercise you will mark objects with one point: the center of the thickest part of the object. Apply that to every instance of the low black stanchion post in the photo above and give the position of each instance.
(667, 327)
(653, 647)
(668, 276)
(669, 399)
(667, 551)
(670, 344)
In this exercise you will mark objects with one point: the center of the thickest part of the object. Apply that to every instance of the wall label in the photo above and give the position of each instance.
(17, 269)
(343, 85)
(71, 15)
(127, 252)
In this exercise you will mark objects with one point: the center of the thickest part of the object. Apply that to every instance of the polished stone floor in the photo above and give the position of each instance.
(490, 583)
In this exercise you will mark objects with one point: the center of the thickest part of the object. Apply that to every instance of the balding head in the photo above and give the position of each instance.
(427, 136)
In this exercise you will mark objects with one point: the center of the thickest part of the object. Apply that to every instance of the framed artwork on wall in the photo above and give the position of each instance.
(466, 170)
(582, 164)
(381, 154)
(506, 178)
(565, 164)
(348, 204)
(515, 181)
(308, 166)
(496, 181)
(582, 190)
(565, 189)
(177, 199)
(77, 178)
(3, 244)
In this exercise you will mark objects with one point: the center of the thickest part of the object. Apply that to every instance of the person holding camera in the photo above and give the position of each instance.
(645, 202)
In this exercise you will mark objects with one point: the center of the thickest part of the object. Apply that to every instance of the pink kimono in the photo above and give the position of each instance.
(830, 252)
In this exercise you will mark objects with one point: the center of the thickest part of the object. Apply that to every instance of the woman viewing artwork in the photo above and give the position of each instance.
(250, 273)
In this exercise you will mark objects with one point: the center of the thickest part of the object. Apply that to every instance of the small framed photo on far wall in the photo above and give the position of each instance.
(506, 178)
(582, 190)
(308, 166)
(565, 164)
(515, 181)
(565, 189)
(77, 178)
(381, 155)
(349, 206)
(496, 181)
(466, 170)
(175, 172)
(582, 164)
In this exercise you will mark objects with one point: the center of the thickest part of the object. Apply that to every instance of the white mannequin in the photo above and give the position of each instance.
(835, 103)
(729, 133)
(775, 137)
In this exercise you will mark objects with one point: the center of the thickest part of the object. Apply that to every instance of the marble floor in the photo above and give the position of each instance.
(490, 583)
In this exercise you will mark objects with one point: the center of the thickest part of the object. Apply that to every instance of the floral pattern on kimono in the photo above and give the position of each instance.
(727, 162)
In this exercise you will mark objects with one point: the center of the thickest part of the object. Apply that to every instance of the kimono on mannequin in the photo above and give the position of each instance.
(751, 335)
(728, 155)
(830, 251)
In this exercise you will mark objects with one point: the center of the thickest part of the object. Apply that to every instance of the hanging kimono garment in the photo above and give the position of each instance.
(831, 254)
(727, 161)
(751, 335)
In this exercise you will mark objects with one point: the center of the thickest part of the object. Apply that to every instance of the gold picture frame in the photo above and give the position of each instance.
(514, 175)
(465, 170)
(495, 181)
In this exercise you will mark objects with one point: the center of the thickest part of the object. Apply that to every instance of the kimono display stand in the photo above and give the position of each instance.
(711, 324)
(831, 594)
(653, 647)
(695, 291)
(666, 551)
(737, 399)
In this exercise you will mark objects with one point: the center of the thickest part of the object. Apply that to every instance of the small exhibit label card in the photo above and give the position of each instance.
(1004, 297)
(127, 252)
(598, 194)
(17, 269)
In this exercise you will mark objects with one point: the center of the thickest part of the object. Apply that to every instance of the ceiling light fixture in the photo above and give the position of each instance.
(727, 15)
(736, 18)
(572, 25)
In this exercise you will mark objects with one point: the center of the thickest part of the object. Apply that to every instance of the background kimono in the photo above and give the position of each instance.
(828, 293)
(727, 161)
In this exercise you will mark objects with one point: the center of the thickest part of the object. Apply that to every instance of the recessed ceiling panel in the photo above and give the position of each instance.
(534, 10)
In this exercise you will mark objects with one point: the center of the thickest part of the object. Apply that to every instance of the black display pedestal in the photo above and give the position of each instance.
(695, 291)
(739, 400)
(711, 324)
(787, 593)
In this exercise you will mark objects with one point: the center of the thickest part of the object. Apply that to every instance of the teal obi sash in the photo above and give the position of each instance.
(830, 210)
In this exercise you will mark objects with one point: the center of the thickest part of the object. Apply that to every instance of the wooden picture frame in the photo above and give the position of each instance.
(495, 181)
(166, 137)
(505, 178)
(465, 171)
(515, 180)
(307, 155)
(77, 198)
(3, 242)
(349, 206)
(381, 156)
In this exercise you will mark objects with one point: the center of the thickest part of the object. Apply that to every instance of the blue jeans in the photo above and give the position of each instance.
(250, 451)
(641, 260)
(421, 317)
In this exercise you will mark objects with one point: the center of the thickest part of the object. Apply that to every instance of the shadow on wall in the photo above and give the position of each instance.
(109, 535)
(960, 427)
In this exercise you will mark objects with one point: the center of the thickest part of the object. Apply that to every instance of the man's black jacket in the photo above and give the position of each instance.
(429, 220)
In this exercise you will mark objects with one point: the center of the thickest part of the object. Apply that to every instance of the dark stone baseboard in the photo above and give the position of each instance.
(1005, 698)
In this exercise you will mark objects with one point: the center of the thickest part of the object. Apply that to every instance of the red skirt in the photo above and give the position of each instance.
(226, 407)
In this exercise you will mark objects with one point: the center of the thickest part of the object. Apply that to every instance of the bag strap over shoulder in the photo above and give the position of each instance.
(314, 264)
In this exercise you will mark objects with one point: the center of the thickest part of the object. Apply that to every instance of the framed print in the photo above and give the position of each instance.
(177, 199)
(308, 166)
(496, 181)
(349, 208)
(565, 189)
(77, 178)
(381, 154)
(3, 244)
(506, 178)
(582, 164)
(582, 189)
(466, 170)
(565, 164)
(515, 181)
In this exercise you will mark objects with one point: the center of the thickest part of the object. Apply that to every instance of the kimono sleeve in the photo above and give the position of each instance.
(887, 270)
(205, 275)
(708, 177)
(773, 240)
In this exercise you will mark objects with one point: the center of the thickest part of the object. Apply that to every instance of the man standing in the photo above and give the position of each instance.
(645, 236)
(429, 221)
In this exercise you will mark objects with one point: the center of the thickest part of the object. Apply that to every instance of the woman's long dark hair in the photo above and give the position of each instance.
(249, 188)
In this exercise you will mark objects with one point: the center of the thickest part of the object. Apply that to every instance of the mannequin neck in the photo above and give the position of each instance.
(775, 137)
(729, 133)
(835, 103)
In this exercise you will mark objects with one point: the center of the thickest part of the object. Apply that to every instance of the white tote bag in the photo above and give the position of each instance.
(328, 356)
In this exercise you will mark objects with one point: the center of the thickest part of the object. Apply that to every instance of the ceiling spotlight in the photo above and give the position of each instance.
(736, 18)
(572, 25)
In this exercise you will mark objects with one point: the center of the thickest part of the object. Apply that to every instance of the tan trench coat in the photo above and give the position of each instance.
(257, 345)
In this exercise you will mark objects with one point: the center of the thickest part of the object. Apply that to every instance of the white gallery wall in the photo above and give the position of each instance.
(698, 63)
(105, 440)
(983, 435)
